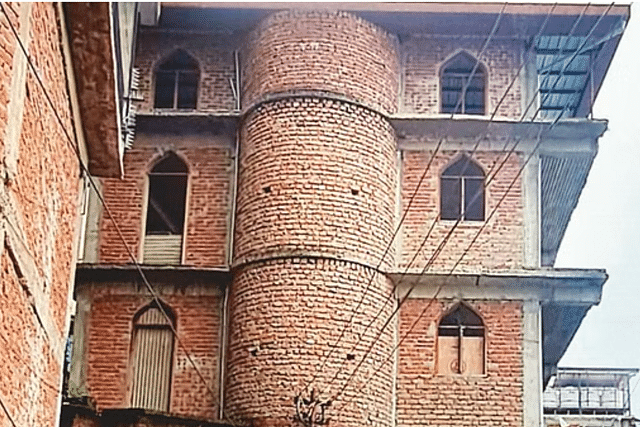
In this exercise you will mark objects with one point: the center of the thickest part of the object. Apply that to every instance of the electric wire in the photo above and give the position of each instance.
(406, 210)
(440, 247)
(103, 202)
(434, 222)
(468, 248)
(6, 411)
(424, 310)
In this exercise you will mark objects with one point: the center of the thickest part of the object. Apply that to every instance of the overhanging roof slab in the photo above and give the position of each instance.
(566, 136)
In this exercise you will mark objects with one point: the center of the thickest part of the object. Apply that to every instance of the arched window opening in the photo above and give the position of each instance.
(462, 88)
(166, 211)
(151, 358)
(461, 342)
(177, 82)
(462, 191)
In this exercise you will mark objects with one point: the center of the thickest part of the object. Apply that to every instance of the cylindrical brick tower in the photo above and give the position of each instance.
(315, 210)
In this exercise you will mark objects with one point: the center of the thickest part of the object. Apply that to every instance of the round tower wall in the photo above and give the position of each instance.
(286, 316)
(321, 51)
(315, 211)
(317, 177)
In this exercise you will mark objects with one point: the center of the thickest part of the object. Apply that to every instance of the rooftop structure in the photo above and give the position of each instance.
(589, 396)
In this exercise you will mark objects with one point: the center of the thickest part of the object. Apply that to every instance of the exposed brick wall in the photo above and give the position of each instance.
(499, 245)
(208, 212)
(318, 183)
(284, 317)
(425, 55)
(321, 51)
(198, 314)
(316, 176)
(30, 372)
(7, 49)
(38, 222)
(211, 51)
(493, 399)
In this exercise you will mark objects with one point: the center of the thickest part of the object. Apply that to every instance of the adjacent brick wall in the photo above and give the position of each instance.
(208, 212)
(285, 316)
(425, 55)
(493, 399)
(7, 49)
(211, 51)
(321, 51)
(39, 206)
(198, 311)
(316, 177)
(499, 245)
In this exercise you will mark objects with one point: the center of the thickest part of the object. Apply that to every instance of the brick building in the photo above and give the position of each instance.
(346, 216)
(61, 97)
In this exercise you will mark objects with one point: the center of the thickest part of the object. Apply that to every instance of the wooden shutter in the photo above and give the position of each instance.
(472, 356)
(447, 355)
(163, 249)
(151, 359)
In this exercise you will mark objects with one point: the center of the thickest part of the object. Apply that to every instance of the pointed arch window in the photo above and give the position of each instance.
(462, 191)
(461, 342)
(462, 89)
(166, 211)
(152, 358)
(177, 82)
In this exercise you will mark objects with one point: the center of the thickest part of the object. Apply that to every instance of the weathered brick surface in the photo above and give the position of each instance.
(285, 316)
(40, 209)
(492, 399)
(29, 371)
(425, 56)
(7, 49)
(213, 54)
(318, 190)
(322, 51)
(208, 209)
(316, 176)
(499, 245)
(198, 315)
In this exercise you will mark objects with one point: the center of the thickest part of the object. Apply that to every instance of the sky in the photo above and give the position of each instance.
(604, 231)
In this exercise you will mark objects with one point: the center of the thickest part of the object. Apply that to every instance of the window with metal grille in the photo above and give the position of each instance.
(462, 191)
(462, 85)
(177, 82)
(151, 358)
(461, 342)
(166, 211)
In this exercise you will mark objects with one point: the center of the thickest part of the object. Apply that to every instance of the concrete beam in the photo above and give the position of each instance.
(422, 132)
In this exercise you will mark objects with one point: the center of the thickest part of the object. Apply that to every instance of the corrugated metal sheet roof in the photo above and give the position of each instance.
(564, 69)
(562, 182)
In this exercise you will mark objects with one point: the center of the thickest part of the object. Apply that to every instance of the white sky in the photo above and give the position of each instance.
(604, 231)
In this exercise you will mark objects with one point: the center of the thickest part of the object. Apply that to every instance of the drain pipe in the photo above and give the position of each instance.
(232, 220)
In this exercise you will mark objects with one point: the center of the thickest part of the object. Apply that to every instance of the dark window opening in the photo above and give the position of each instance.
(461, 342)
(462, 191)
(177, 82)
(462, 88)
(167, 195)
